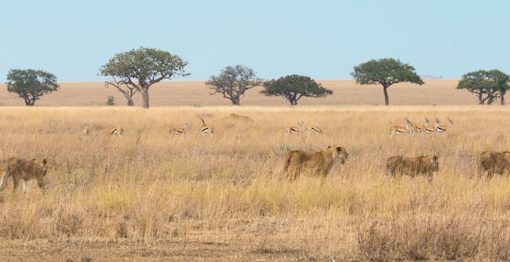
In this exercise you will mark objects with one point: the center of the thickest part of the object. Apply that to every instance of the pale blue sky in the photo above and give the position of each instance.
(322, 39)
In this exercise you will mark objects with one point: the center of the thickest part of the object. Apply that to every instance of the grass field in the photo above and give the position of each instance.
(148, 195)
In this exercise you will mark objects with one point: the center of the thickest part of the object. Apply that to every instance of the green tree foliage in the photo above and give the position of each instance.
(501, 79)
(294, 87)
(486, 85)
(233, 81)
(138, 69)
(386, 72)
(31, 84)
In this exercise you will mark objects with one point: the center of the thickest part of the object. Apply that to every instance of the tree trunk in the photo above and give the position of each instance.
(386, 99)
(480, 99)
(145, 96)
(502, 99)
(235, 101)
(29, 101)
(491, 98)
(130, 101)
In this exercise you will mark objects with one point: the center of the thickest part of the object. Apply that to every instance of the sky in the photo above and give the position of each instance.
(323, 39)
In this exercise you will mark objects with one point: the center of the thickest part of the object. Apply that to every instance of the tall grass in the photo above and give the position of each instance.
(148, 186)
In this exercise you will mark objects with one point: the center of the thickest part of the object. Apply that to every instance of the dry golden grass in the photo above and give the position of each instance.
(195, 93)
(223, 197)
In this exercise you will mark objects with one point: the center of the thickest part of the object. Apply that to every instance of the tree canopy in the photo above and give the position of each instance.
(386, 72)
(138, 69)
(31, 84)
(486, 85)
(294, 87)
(233, 81)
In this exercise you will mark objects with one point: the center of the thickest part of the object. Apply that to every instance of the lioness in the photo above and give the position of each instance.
(494, 162)
(412, 166)
(21, 169)
(315, 163)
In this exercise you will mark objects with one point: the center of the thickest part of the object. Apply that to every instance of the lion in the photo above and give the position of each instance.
(313, 163)
(494, 162)
(412, 166)
(22, 169)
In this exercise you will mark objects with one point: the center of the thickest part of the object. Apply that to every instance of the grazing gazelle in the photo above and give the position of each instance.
(314, 130)
(117, 131)
(177, 131)
(295, 130)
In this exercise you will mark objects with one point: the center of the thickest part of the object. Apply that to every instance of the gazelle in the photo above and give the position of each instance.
(295, 130)
(117, 131)
(399, 130)
(205, 129)
(440, 128)
(178, 131)
(407, 128)
(314, 130)
(86, 130)
(429, 127)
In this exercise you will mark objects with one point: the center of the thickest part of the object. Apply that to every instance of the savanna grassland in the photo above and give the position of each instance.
(148, 195)
(196, 93)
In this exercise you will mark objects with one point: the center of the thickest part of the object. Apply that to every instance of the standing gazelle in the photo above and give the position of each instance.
(86, 130)
(440, 128)
(205, 129)
(407, 128)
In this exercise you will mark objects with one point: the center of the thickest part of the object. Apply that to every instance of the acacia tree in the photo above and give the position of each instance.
(233, 81)
(294, 87)
(486, 85)
(501, 80)
(386, 72)
(31, 84)
(127, 91)
(138, 69)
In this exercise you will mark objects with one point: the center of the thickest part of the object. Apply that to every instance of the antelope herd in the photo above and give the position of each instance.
(313, 162)
(299, 130)
(426, 127)
(320, 163)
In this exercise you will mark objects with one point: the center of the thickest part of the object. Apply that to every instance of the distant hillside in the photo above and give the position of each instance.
(195, 93)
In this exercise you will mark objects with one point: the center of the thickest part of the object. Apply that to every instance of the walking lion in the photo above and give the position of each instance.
(22, 169)
(317, 164)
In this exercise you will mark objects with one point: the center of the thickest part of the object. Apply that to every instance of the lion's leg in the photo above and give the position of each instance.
(3, 182)
(490, 172)
(16, 182)
(481, 170)
(291, 174)
(41, 184)
(24, 186)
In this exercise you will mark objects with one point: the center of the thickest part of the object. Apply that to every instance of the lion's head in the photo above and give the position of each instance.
(41, 166)
(340, 153)
(431, 162)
